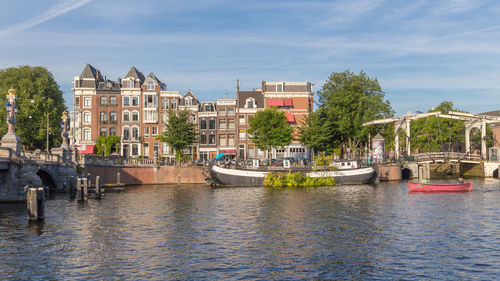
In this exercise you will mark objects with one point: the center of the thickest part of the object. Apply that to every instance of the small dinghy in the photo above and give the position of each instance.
(435, 187)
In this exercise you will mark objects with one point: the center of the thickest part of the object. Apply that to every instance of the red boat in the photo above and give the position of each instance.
(435, 187)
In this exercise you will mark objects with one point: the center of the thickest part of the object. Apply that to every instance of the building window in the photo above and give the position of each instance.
(241, 120)
(135, 150)
(164, 118)
(135, 133)
(103, 132)
(77, 101)
(126, 101)
(173, 104)
(188, 101)
(250, 117)
(112, 117)
(150, 86)
(222, 140)
(131, 83)
(279, 87)
(222, 124)
(164, 149)
(242, 136)
(211, 139)
(211, 124)
(86, 117)
(203, 124)
(104, 100)
(164, 104)
(86, 134)
(208, 107)
(135, 116)
(203, 139)
(112, 131)
(135, 101)
(250, 103)
(230, 123)
(251, 151)
(112, 100)
(150, 101)
(222, 110)
(126, 133)
(87, 101)
(104, 117)
(230, 111)
(126, 116)
(192, 118)
(230, 139)
(145, 151)
(150, 116)
(146, 131)
(154, 131)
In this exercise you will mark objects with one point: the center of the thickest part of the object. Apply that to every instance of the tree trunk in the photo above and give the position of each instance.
(178, 158)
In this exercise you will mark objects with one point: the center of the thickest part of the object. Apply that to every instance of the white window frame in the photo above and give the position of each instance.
(87, 102)
(129, 133)
(87, 134)
(132, 129)
(132, 116)
(188, 101)
(123, 116)
(253, 103)
(135, 98)
(85, 114)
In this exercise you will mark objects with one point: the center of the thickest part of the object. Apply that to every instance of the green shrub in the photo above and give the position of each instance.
(294, 180)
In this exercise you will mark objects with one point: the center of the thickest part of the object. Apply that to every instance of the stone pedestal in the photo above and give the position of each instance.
(12, 141)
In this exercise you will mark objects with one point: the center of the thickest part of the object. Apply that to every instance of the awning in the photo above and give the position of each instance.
(275, 102)
(228, 151)
(290, 118)
(87, 149)
(288, 102)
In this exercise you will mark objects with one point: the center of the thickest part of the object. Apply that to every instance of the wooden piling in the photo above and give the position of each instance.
(72, 187)
(85, 188)
(420, 174)
(82, 190)
(35, 203)
(118, 178)
(98, 186)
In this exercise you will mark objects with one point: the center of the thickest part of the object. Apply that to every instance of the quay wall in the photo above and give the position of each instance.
(145, 175)
(389, 173)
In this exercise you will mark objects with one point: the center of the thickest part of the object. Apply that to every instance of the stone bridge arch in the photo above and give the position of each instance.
(49, 178)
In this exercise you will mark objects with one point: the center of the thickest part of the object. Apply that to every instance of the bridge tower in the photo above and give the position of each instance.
(11, 139)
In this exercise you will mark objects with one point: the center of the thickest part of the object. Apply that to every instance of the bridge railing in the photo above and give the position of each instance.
(435, 156)
(5, 152)
(42, 156)
(115, 161)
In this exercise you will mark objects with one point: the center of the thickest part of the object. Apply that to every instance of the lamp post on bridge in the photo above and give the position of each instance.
(11, 139)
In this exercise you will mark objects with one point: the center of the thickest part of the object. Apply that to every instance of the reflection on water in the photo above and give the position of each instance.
(196, 232)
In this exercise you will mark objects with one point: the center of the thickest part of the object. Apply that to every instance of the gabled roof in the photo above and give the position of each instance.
(134, 73)
(91, 72)
(189, 94)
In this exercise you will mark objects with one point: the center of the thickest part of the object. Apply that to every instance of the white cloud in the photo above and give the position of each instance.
(45, 16)
(456, 6)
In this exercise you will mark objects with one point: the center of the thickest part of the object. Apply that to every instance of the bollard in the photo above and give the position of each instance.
(118, 178)
(428, 171)
(420, 174)
(85, 189)
(98, 187)
(79, 189)
(179, 179)
(72, 187)
(35, 203)
(88, 180)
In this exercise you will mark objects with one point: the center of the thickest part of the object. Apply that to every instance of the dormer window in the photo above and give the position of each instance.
(250, 103)
(130, 83)
(188, 101)
(279, 87)
(150, 85)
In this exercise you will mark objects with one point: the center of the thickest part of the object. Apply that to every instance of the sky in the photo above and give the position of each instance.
(422, 52)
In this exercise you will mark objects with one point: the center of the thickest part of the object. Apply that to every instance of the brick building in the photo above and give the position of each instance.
(207, 118)
(226, 120)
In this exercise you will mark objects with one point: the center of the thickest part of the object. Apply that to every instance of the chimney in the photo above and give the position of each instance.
(119, 81)
(237, 85)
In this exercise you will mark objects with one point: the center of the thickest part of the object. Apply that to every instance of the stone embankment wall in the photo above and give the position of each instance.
(146, 175)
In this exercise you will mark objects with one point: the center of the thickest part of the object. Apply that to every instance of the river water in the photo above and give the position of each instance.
(198, 233)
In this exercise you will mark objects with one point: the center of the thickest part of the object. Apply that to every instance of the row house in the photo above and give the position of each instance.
(248, 102)
(136, 109)
(226, 130)
(296, 99)
(207, 119)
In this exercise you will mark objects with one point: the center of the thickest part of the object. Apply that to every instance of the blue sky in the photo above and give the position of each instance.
(422, 52)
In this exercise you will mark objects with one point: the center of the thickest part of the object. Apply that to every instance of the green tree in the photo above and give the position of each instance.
(105, 145)
(179, 132)
(312, 132)
(33, 83)
(270, 129)
(347, 101)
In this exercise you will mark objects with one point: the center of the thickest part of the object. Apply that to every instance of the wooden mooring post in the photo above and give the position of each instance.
(35, 203)
(118, 178)
(72, 187)
(82, 190)
(420, 174)
(98, 189)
